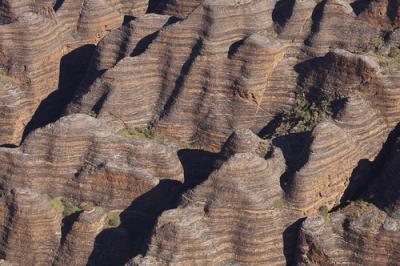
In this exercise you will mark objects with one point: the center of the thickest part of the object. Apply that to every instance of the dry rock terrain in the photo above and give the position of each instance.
(199, 132)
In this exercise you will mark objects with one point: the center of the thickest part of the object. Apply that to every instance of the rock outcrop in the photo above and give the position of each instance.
(174, 81)
(78, 244)
(236, 216)
(360, 234)
(199, 132)
(336, 151)
(29, 228)
(34, 39)
(80, 158)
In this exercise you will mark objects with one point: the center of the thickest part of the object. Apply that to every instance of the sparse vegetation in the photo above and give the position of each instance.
(271, 32)
(4, 76)
(263, 148)
(375, 222)
(139, 133)
(337, 228)
(394, 52)
(389, 63)
(113, 219)
(280, 203)
(377, 42)
(92, 114)
(306, 114)
(89, 168)
(359, 51)
(356, 209)
(324, 212)
(63, 206)
(56, 203)
(69, 207)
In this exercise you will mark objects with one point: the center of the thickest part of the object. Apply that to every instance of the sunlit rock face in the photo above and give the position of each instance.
(199, 132)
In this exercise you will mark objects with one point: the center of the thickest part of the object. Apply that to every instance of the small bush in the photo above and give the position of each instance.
(271, 32)
(359, 51)
(89, 168)
(56, 203)
(92, 114)
(263, 148)
(377, 42)
(398, 140)
(388, 64)
(305, 114)
(355, 209)
(63, 206)
(139, 133)
(113, 219)
(4, 76)
(69, 207)
(394, 52)
(324, 212)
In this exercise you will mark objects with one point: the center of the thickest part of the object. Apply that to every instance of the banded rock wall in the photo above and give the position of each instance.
(195, 73)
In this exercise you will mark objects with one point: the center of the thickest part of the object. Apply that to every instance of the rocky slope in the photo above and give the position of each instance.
(199, 132)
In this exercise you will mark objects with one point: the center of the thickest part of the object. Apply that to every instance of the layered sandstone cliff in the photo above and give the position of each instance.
(199, 132)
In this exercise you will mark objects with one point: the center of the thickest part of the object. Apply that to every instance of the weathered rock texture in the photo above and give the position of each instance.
(181, 96)
(360, 234)
(234, 217)
(75, 249)
(80, 158)
(29, 228)
(180, 8)
(33, 40)
(199, 132)
(356, 134)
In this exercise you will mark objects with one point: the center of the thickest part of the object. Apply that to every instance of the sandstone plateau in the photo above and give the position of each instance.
(199, 132)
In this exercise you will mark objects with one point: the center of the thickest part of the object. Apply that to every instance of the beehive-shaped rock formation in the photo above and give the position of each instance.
(360, 234)
(80, 158)
(233, 217)
(29, 228)
(34, 39)
(336, 150)
(176, 84)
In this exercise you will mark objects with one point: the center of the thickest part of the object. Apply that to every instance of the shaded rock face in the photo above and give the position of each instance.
(80, 159)
(29, 223)
(177, 87)
(34, 39)
(199, 132)
(78, 154)
(350, 236)
(241, 192)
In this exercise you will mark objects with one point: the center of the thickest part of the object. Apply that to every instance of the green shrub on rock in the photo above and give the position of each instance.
(307, 114)
(63, 206)
(138, 133)
(4, 76)
(113, 219)
(394, 52)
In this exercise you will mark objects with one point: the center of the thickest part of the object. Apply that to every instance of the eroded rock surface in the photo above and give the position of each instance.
(199, 132)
